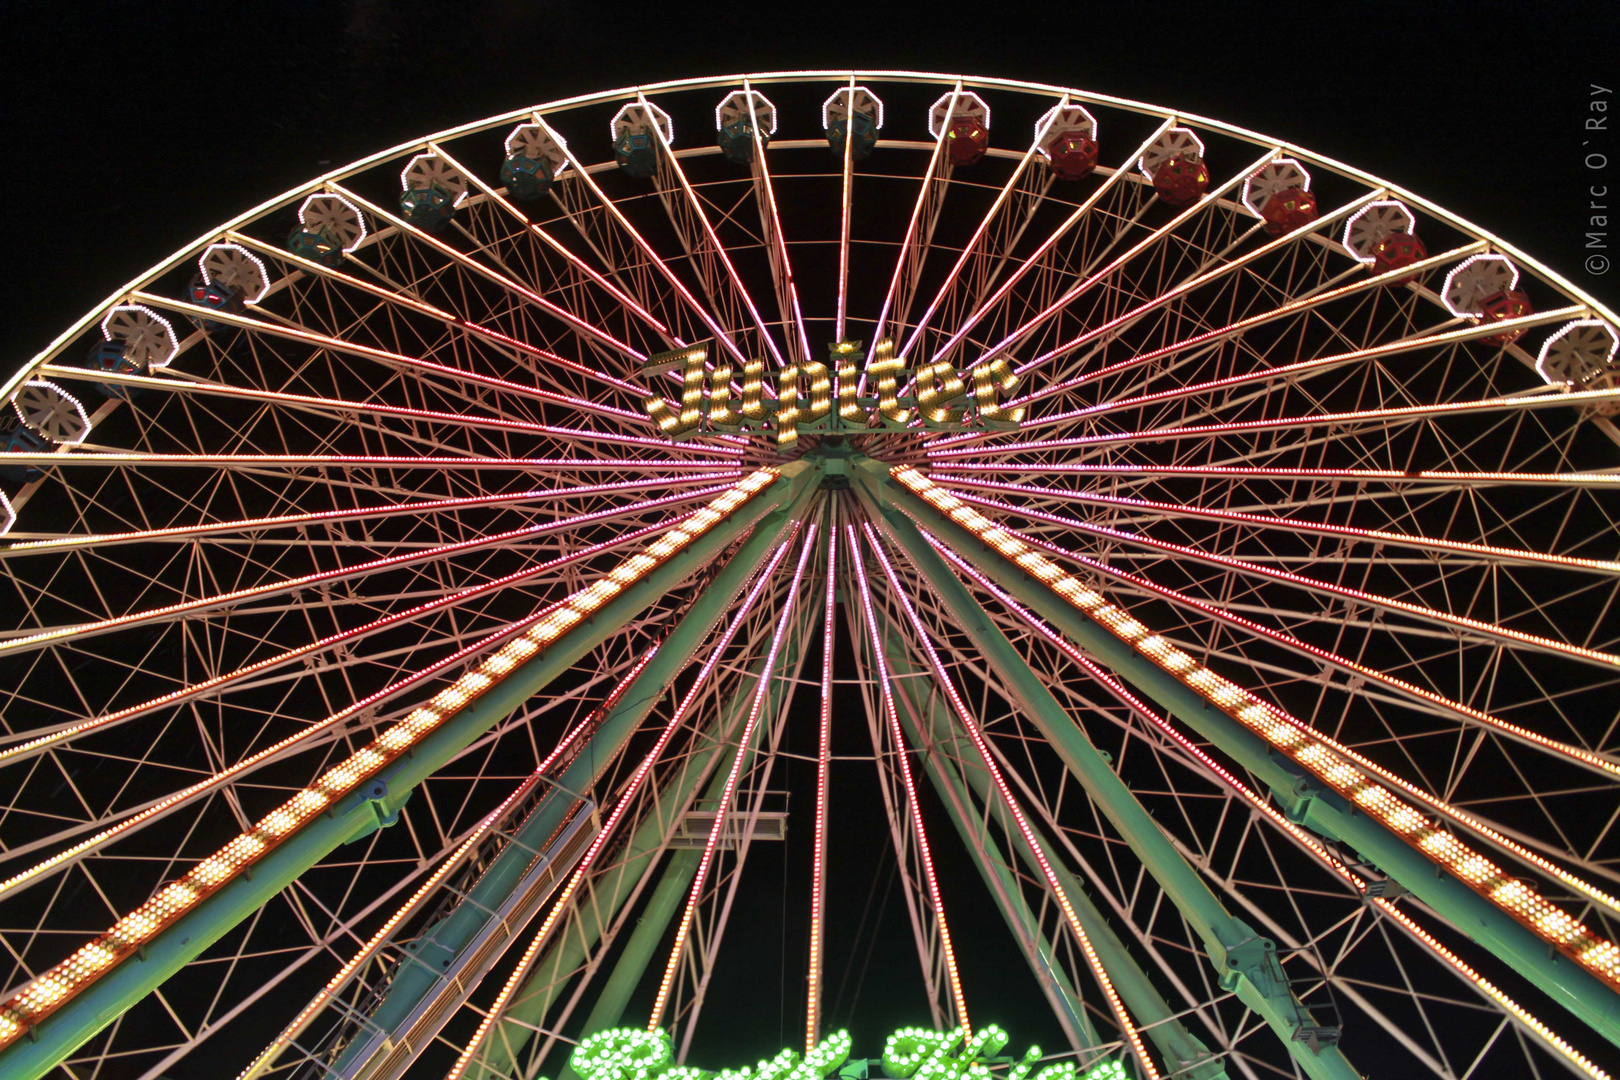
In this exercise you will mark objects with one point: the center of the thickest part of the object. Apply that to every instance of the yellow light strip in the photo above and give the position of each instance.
(1296, 740)
(46, 993)
(1311, 844)
(479, 831)
(629, 796)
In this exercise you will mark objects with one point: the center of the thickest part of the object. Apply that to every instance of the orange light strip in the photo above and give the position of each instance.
(971, 248)
(344, 407)
(45, 994)
(1037, 258)
(1305, 840)
(1297, 741)
(903, 763)
(374, 945)
(728, 792)
(165, 806)
(1576, 754)
(1544, 398)
(1122, 1016)
(360, 513)
(1318, 364)
(1462, 622)
(818, 854)
(477, 329)
(1238, 472)
(579, 324)
(111, 458)
(1366, 284)
(632, 788)
(37, 744)
(1319, 528)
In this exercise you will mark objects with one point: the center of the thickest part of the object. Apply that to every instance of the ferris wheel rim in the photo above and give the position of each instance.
(318, 184)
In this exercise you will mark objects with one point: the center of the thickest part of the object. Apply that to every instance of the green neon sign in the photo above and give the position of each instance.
(909, 1054)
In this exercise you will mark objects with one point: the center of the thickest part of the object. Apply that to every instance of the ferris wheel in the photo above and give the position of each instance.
(418, 589)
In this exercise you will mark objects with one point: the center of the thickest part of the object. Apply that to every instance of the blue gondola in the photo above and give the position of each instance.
(214, 297)
(17, 439)
(108, 356)
(862, 133)
(316, 245)
(526, 178)
(429, 207)
(636, 154)
(737, 141)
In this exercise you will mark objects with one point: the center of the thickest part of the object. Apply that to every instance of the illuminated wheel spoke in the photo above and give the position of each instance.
(1019, 198)
(1024, 330)
(43, 637)
(1264, 811)
(1458, 623)
(919, 233)
(902, 765)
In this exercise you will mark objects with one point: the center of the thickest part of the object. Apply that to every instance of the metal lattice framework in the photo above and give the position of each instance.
(374, 661)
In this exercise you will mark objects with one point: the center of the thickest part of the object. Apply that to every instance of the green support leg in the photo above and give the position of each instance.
(666, 900)
(560, 960)
(1244, 961)
(378, 803)
(473, 912)
(930, 726)
(1318, 808)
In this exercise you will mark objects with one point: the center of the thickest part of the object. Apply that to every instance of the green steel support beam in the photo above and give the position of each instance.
(954, 775)
(1308, 802)
(1244, 961)
(377, 803)
(568, 951)
(642, 855)
(998, 876)
(473, 912)
(638, 951)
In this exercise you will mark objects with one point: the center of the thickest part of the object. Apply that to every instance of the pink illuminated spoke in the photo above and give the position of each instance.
(82, 630)
(903, 765)
(1456, 622)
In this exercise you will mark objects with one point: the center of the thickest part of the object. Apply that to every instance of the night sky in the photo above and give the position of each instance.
(134, 128)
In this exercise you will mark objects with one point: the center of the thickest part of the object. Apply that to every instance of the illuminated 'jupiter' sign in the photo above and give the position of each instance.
(827, 397)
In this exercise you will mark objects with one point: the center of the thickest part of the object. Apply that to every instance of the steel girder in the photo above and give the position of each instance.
(1245, 961)
(955, 776)
(1312, 805)
(378, 803)
(486, 902)
(557, 963)
(925, 723)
